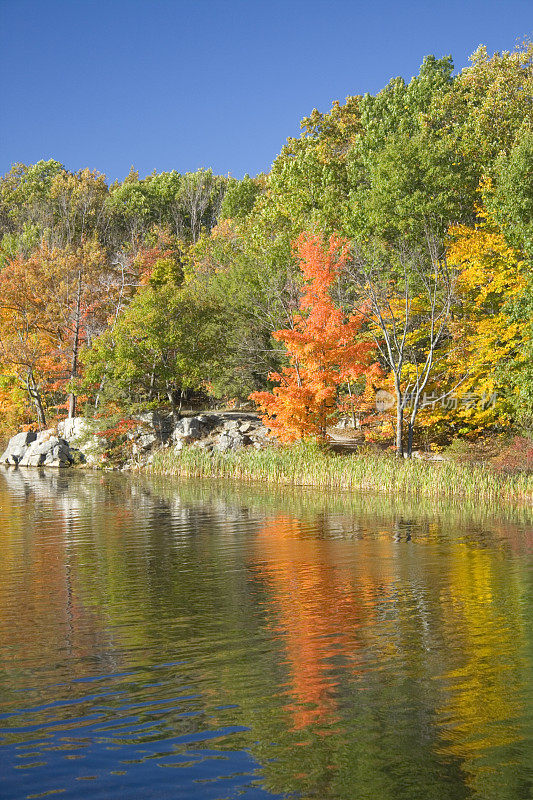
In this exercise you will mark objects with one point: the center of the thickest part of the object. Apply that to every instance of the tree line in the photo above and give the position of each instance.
(389, 248)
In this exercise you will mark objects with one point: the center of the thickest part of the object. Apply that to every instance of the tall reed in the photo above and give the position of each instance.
(309, 465)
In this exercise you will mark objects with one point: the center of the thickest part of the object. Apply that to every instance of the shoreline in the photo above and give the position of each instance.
(309, 466)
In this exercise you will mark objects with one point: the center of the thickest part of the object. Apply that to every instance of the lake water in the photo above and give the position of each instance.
(165, 639)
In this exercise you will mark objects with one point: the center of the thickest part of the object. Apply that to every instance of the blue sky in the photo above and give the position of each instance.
(168, 84)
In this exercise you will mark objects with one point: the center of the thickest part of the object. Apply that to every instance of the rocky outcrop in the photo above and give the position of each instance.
(17, 447)
(44, 449)
(75, 440)
(153, 430)
(79, 433)
(220, 432)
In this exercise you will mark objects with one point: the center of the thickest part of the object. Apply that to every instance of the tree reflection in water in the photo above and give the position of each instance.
(352, 647)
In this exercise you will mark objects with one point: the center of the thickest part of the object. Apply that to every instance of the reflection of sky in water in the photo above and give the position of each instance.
(102, 744)
(163, 639)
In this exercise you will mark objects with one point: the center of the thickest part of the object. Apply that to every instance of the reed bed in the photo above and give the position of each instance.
(309, 465)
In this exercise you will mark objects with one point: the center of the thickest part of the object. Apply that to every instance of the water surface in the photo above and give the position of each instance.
(165, 639)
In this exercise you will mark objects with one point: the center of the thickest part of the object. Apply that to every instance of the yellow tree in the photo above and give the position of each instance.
(488, 337)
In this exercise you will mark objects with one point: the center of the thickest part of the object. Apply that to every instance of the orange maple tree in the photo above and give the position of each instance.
(325, 348)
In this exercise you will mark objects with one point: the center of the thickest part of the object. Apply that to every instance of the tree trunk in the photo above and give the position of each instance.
(399, 424)
(35, 397)
(410, 431)
(152, 381)
(411, 427)
(352, 404)
(75, 350)
(175, 412)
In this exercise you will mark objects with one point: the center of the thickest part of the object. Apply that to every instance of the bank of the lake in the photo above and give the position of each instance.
(237, 446)
(308, 465)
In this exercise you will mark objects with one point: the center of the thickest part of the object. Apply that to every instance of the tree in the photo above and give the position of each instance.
(492, 330)
(240, 197)
(79, 204)
(486, 105)
(413, 181)
(156, 351)
(25, 196)
(185, 204)
(406, 295)
(324, 348)
(254, 284)
(509, 195)
(50, 305)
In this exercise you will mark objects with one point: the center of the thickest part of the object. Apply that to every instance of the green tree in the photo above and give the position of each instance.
(156, 351)
(240, 197)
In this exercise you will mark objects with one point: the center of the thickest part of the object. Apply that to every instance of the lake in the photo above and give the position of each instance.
(171, 639)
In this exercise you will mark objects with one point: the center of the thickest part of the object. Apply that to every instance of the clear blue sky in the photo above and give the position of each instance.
(169, 84)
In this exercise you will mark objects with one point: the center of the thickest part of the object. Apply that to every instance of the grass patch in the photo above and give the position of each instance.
(309, 465)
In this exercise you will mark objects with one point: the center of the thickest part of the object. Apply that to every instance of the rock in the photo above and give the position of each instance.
(76, 441)
(143, 441)
(231, 424)
(247, 426)
(17, 447)
(224, 443)
(86, 447)
(158, 424)
(48, 450)
(92, 450)
(154, 429)
(217, 431)
(231, 440)
(260, 434)
(74, 429)
(188, 429)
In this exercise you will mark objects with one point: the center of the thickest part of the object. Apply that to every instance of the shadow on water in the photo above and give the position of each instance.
(165, 638)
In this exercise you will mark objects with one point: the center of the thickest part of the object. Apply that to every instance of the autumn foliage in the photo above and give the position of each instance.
(324, 347)
(150, 293)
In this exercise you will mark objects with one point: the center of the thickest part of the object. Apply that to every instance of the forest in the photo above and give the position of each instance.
(387, 254)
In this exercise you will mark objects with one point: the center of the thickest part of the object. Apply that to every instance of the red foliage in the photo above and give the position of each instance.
(515, 457)
(324, 346)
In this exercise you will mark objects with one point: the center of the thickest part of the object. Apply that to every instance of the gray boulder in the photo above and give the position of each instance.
(74, 429)
(246, 426)
(17, 447)
(49, 450)
(78, 432)
(154, 429)
(187, 430)
(232, 424)
(231, 440)
(220, 432)
(224, 443)
(143, 440)
(158, 424)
